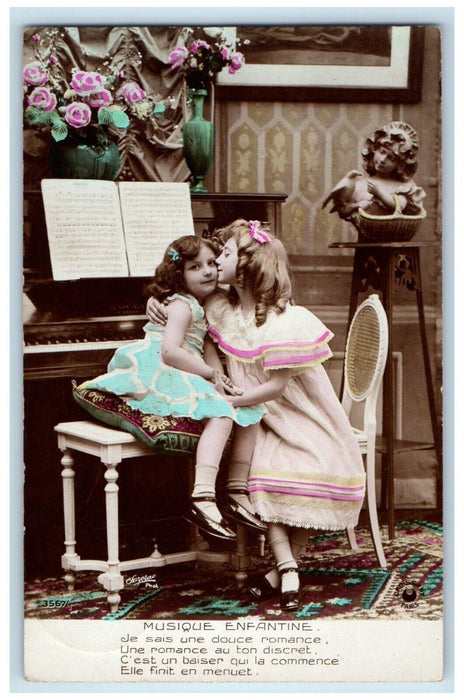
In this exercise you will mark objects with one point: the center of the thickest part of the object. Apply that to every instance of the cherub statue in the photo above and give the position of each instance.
(389, 159)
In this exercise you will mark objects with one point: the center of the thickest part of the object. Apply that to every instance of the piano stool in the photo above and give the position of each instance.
(111, 447)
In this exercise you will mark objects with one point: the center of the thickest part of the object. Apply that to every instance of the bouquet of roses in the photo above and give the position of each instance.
(200, 61)
(89, 98)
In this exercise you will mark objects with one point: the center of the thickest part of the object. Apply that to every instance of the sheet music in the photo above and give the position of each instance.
(154, 214)
(84, 227)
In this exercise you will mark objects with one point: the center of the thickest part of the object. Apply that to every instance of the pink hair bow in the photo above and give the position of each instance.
(257, 233)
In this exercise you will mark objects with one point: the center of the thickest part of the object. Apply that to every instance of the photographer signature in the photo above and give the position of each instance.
(149, 581)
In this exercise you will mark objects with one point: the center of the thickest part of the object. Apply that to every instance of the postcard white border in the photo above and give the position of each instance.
(352, 651)
(22, 17)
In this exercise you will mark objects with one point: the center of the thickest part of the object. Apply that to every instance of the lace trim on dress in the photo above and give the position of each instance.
(310, 524)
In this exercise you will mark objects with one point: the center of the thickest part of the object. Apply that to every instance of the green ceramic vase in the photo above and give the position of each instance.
(92, 155)
(198, 142)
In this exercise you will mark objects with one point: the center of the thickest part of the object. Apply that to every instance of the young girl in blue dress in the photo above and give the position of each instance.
(304, 469)
(175, 370)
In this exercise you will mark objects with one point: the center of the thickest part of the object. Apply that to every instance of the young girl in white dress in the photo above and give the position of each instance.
(175, 370)
(306, 468)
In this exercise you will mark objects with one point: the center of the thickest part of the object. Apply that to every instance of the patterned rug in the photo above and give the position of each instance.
(336, 583)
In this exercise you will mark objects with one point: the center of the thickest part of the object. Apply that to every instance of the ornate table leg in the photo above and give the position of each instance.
(388, 402)
(70, 555)
(112, 580)
(240, 559)
(428, 378)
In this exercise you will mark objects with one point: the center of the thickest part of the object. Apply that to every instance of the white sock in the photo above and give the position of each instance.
(238, 479)
(205, 485)
(289, 581)
(273, 577)
(280, 545)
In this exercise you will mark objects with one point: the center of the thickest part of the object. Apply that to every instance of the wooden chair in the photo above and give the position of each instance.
(364, 364)
(142, 437)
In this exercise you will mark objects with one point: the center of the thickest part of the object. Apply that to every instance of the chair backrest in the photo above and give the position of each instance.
(365, 352)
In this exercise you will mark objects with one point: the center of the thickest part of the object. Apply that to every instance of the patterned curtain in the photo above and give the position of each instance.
(149, 153)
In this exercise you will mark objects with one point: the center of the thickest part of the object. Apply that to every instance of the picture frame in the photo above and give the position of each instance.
(400, 80)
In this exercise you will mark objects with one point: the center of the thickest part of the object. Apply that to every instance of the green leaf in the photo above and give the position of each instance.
(36, 117)
(105, 116)
(159, 108)
(56, 120)
(59, 130)
(59, 127)
(120, 119)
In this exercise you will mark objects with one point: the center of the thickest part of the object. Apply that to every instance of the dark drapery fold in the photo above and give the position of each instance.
(150, 150)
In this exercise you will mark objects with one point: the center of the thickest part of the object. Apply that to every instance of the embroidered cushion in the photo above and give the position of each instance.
(164, 434)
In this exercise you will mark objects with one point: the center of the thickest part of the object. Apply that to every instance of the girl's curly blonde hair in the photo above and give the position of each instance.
(262, 268)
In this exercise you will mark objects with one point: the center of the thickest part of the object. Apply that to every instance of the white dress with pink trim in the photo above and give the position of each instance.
(307, 470)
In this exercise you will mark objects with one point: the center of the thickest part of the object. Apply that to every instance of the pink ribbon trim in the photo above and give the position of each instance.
(251, 354)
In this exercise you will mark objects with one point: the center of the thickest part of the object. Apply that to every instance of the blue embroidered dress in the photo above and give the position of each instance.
(137, 374)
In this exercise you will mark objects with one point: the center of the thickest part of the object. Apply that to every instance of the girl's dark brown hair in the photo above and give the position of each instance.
(262, 267)
(169, 275)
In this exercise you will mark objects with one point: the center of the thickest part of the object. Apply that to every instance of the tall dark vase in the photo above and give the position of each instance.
(198, 142)
(90, 155)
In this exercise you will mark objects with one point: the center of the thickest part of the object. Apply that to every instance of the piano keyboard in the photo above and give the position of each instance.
(76, 348)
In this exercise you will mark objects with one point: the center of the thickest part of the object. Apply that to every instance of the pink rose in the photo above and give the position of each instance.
(53, 59)
(42, 98)
(132, 93)
(99, 99)
(35, 74)
(35, 37)
(78, 114)
(224, 53)
(86, 82)
(236, 62)
(177, 57)
(199, 44)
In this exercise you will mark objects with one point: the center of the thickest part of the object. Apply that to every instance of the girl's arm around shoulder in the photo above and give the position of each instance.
(172, 352)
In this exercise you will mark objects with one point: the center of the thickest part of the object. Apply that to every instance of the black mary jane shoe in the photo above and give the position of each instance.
(289, 600)
(261, 589)
(235, 511)
(211, 527)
